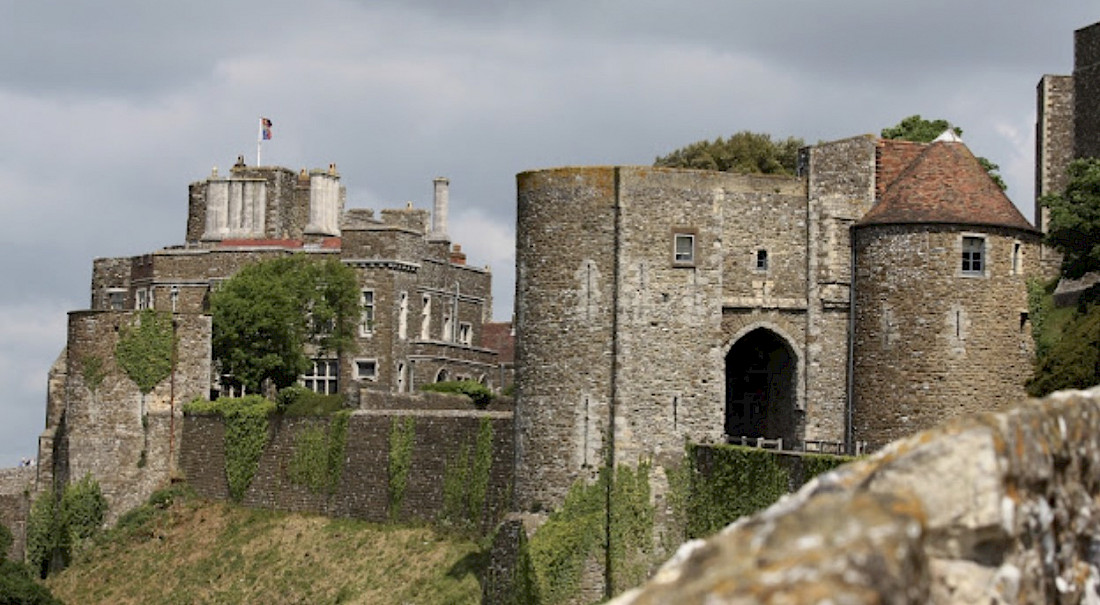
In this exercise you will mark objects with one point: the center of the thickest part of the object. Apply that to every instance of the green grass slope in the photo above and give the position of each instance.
(201, 552)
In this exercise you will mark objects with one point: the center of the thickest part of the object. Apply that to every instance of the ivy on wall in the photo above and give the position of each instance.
(466, 482)
(93, 372)
(402, 438)
(318, 459)
(726, 482)
(57, 529)
(144, 349)
(245, 435)
(583, 530)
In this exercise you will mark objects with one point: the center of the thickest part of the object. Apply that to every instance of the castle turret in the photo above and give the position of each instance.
(940, 327)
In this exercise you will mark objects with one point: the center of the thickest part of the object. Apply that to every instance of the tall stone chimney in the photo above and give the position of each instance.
(439, 209)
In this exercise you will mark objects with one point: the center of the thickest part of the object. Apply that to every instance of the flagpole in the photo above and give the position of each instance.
(259, 140)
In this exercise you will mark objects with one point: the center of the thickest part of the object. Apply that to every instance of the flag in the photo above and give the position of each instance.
(265, 127)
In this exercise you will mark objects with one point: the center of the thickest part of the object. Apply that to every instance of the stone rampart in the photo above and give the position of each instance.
(16, 487)
(998, 508)
(440, 437)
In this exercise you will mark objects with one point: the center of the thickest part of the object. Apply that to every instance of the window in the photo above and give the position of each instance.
(683, 249)
(403, 316)
(442, 375)
(142, 300)
(175, 297)
(366, 319)
(761, 260)
(448, 330)
(116, 299)
(400, 377)
(973, 251)
(426, 317)
(465, 333)
(323, 378)
(366, 369)
(1016, 258)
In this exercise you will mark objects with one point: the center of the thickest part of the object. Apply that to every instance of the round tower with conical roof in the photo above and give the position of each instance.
(940, 325)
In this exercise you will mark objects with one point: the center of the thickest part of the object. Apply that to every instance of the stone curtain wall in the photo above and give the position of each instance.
(363, 491)
(1000, 508)
(16, 487)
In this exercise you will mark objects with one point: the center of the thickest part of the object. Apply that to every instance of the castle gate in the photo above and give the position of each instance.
(761, 387)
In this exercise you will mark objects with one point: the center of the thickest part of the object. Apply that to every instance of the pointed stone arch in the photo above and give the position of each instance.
(764, 395)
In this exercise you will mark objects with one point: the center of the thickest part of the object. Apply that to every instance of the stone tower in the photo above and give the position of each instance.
(940, 324)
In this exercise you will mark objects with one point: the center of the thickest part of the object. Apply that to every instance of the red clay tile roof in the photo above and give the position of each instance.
(498, 337)
(943, 183)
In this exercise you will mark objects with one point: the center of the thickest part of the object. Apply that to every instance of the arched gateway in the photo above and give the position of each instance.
(761, 387)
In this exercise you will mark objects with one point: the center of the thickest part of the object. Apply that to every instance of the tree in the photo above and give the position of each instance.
(1074, 227)
(744, 152)
(917, 129)
(271, 316)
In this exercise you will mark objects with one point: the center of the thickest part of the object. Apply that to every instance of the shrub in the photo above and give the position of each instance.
(478, 393)
(6, 540)
(297, 400)
(245, 435)
(17, 586)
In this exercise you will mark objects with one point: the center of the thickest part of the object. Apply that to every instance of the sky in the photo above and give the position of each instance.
(108, 110)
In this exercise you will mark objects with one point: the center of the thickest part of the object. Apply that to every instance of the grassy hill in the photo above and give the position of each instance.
(192, 551)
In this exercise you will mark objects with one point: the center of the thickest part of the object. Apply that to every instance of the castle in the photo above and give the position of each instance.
(425, 317)
(878, 292)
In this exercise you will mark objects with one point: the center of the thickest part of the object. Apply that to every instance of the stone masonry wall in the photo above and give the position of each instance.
(16, 488)
(930, 342)
(1086, 89)
(990, 509)
(364, 489)
(102, 431)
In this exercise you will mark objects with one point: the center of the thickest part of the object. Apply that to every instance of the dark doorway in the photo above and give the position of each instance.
(761, 387)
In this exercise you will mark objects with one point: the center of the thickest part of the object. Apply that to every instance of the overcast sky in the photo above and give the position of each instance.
(109, 109)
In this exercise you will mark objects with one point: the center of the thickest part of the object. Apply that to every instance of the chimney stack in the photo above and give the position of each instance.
(439, 209)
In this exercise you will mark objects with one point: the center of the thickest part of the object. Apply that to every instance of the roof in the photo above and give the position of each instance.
(498, 337)
(939, 182)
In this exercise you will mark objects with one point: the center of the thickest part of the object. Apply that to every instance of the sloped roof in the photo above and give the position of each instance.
(944, 183)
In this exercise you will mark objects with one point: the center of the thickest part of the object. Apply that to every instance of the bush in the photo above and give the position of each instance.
(17, 586)
(6, 540)
(297, 400)
(478, 393)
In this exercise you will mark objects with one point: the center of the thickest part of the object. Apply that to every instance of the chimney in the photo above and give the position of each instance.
(439, 209)
(458, 257)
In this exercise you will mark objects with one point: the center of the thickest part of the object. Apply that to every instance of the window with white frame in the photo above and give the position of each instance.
(973, 255)
(142, 301)
(683, 248)
(426, 317)
(116, 299)
(323, 378)
(448, 328)
(401, 377)
(366, 369)
(366, 310)
(465, 333)
(403, 316)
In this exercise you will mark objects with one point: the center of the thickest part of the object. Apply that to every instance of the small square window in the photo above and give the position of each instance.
(116, 299)
(973, 255)
(683, 248)
(366, 369)
(761, 260)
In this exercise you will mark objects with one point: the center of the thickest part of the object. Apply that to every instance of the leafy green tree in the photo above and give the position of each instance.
(917, 129)
(273, 314)
(1073, 361)
(1074, 227)
(744, 152)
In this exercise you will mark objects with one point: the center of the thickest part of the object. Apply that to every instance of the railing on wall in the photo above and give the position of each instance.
(812, 446)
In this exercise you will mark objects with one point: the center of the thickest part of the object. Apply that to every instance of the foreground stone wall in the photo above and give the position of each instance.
(363, 491)
(999, 508)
